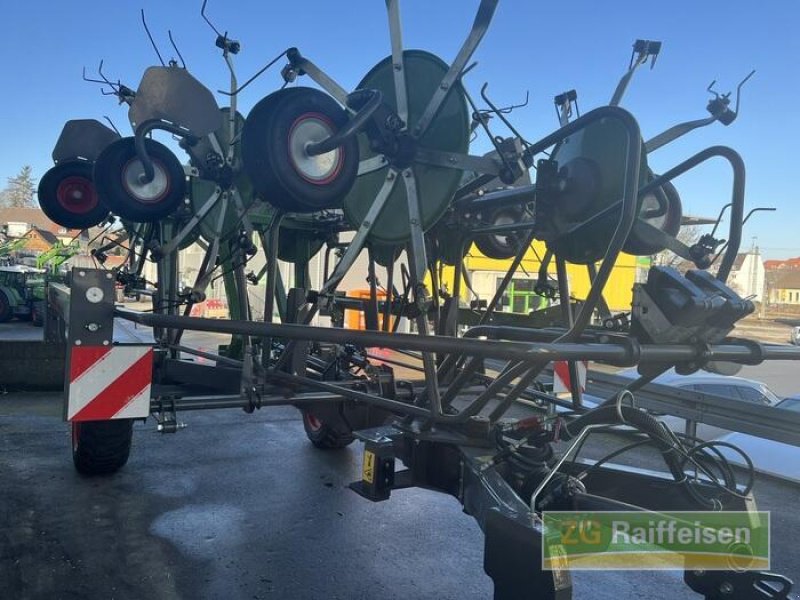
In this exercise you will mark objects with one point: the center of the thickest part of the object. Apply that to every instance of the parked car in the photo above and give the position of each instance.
(734, 388)
(794, 336)
(768, 456)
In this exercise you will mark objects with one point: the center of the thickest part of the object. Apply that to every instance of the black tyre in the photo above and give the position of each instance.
(274, 139)
(117, 173)
(37, 314)
(326, 435)
(101, 447)
(6, 312)
(68, 196)
(501, 246)
(669, 222)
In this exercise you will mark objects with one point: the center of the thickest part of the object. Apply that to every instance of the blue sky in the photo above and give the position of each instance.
(541, 47)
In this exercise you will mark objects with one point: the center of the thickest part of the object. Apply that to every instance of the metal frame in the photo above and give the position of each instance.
(446, 425)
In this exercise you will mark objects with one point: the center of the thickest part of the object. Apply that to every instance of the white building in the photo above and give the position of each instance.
(748, 275)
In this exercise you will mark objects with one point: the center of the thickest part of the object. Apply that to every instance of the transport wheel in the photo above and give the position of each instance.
(117, 175)
(669, 222)
(101, 447)
(274, 140)
(501, 246)
(68, 196)
(5, 309)
(325, 435)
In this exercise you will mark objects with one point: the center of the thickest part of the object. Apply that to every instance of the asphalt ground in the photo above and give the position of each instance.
(243, 507)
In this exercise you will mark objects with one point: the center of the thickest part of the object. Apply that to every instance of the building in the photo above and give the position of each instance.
(38, 241)
(16, 222)
(748, 274)
(789, 263)
(784, 287)
(486, 275)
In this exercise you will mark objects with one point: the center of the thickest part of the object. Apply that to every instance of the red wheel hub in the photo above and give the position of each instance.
(313, 422)
(76, 195)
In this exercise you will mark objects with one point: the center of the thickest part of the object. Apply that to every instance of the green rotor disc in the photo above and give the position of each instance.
(602, 144)
(448, 132)
(260, 213)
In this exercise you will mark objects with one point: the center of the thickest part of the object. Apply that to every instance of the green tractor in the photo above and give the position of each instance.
(22, 294)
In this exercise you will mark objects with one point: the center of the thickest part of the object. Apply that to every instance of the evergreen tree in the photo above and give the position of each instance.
(20, 191)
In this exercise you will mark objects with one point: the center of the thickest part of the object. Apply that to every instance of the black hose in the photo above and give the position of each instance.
(649, 425)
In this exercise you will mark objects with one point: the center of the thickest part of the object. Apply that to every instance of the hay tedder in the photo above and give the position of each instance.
(385, 170)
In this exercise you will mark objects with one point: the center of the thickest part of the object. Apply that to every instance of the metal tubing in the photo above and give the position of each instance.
(417, 263)
(516, 351)
(352, 127)
(500, 198)
(507, 279)
(408, 409)
(520, 387)
(141, 151)
(566, 313)
(210, 356)
(398, 64)
(482, 20)
(737, 196)
(511, 372)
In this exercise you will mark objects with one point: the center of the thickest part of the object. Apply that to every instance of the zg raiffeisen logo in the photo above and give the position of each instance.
(643, 540)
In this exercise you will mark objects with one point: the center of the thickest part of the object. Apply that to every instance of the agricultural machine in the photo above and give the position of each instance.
(22, 294)
(385, 171)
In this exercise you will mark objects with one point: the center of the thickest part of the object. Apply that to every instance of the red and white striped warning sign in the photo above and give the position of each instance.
(109, 382)
(562, 382)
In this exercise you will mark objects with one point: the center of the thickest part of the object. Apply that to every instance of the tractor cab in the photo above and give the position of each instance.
(21, 293)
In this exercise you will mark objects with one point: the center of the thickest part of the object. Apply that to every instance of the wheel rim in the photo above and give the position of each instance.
(308, 129)
(76, 195)
(506, 241)
(650, 202)
(312, 422)
(151, 192)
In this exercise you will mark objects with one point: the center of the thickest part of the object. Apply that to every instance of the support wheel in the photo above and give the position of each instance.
(669, 222)
(324, 435)
(501, 246)
(101, 447)
(274, 140)
(118, 175)
(67, 195)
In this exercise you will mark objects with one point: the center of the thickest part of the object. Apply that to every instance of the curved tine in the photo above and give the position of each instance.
(739, 90)
(254, 77)
(205, 18)
(722, 212)
(482, 20)
(114, 127)
(398, 64)
(175, 46)
(152, 41)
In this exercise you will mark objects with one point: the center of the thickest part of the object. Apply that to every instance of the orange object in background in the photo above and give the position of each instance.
(354, 319)
(211, 309)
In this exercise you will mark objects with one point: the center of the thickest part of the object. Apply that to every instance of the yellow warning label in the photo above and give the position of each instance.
(368, 470)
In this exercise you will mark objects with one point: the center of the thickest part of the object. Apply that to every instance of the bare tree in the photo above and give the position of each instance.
(20, 191)
(688, 234)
